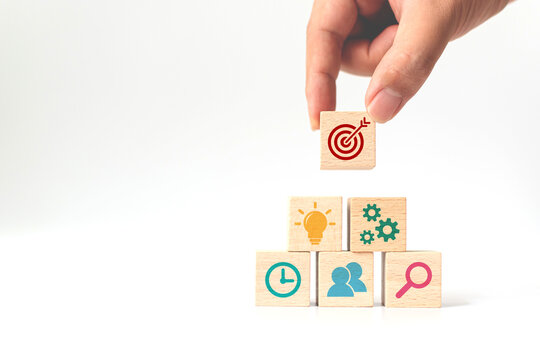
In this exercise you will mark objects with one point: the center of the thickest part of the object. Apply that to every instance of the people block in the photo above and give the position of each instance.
(347, 140)
(315, 223)
(282, 279)
(412, 279)
(345, 279)
(377, 224)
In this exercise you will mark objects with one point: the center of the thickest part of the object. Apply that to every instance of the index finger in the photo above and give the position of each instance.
(330, 23)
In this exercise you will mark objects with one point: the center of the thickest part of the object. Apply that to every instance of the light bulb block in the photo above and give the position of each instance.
(315, 223)
(345, 279)
(377, 224)
(282, 278)
(412, 279)
(347, 141)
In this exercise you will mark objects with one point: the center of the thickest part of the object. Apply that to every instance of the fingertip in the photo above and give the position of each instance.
(384, 105)
(320, 96)
(315, 123)
(379, 121)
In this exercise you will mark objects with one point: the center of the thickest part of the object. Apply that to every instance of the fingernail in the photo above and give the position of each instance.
(384, 105)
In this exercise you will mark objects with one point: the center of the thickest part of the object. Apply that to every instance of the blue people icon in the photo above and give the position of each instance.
(356, 272)
(340, 277)
(347, 281)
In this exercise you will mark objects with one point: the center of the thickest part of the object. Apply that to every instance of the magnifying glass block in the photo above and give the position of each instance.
(412, 279)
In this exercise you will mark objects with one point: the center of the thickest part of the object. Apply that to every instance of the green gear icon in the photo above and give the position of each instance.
(376, 210)
(392, 234)
(367, 237)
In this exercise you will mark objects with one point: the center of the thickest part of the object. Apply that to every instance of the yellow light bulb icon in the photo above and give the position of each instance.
(315, 222)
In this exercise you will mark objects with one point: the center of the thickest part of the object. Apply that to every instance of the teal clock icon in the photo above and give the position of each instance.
(288, 274)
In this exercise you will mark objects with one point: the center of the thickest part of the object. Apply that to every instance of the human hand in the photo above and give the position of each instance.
(397, 42)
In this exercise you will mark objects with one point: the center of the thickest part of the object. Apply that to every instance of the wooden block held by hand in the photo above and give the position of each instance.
(315, 223)
(282, 279)
(345, 279)
(347, 140)
(412, 279)
(377, 224)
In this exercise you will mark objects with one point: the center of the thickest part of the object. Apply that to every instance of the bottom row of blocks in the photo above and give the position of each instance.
(410, 279)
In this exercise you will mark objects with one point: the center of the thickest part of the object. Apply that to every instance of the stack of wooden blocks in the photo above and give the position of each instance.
(345, 278)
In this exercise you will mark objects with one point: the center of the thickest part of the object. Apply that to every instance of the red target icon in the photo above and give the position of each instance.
(346, 141)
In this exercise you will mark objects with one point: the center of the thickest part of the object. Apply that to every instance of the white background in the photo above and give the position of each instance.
(147, 150)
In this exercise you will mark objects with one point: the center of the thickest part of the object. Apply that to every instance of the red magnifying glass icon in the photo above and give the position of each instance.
(411, 283)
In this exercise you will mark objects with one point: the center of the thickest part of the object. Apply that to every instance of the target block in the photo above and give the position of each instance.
(282, 279)
(377, 224)
(345, 279)
(347, 140)
(412, 279)
(315, 223)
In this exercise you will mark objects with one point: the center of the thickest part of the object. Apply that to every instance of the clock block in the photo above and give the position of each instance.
(315, 223)
(377, 224)
(347, 140)
(412, 279)
(345, 279)
(282, 279)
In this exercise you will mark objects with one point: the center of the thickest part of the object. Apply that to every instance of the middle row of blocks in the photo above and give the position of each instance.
(374, 224)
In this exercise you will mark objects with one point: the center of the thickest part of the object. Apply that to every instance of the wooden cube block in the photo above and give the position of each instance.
(345, 279)
(315, 223)
(347, 140)
(412, 279)
(282, 279)
(377, 224)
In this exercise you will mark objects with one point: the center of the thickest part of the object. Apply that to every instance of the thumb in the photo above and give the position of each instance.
(421, 38)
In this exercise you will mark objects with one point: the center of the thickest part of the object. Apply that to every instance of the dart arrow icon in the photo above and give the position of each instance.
(363, 123)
